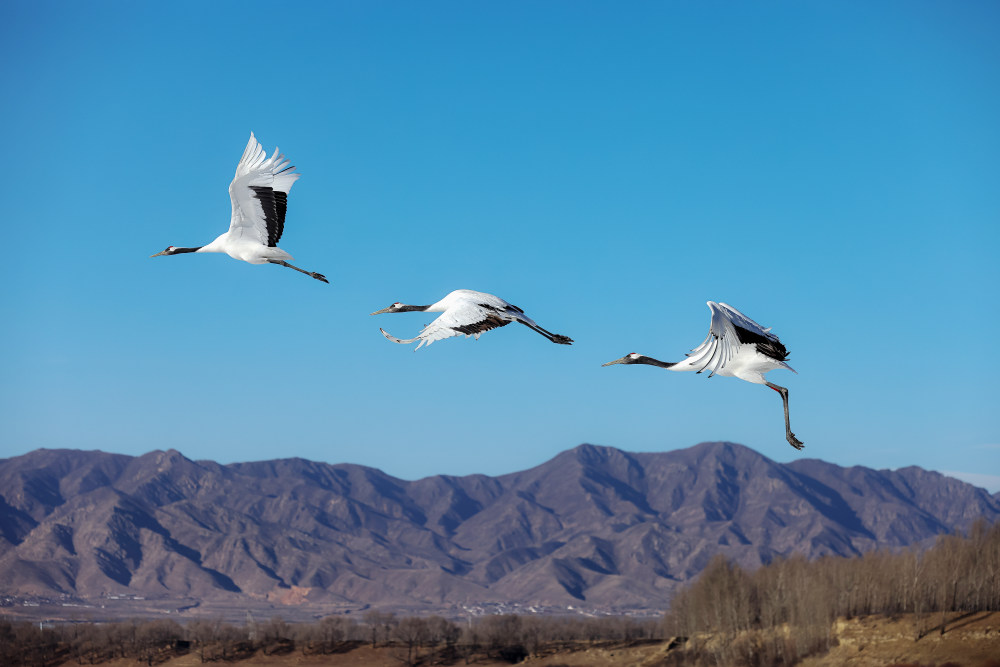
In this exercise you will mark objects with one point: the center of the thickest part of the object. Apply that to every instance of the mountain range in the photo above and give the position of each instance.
(594, 527)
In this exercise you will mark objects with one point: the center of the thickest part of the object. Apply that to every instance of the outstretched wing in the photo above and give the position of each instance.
(728, 330)
(749, 332)
(259, 193)
(468, 318)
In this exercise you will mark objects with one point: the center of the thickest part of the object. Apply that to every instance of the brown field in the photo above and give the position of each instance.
(970, 640)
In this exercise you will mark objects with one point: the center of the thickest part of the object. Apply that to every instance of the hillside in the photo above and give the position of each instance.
(595, 527)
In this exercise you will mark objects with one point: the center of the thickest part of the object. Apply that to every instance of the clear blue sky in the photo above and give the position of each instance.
(831, 169)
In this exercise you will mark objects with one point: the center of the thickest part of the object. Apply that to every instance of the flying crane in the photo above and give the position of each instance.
(259, 194)
(735, 346)
(467, 312)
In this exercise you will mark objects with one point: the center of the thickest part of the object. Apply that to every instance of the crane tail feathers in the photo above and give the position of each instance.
(399, 340)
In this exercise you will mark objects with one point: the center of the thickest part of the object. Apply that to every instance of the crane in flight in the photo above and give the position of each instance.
(735, 346)
(259, 194)
(467, 312)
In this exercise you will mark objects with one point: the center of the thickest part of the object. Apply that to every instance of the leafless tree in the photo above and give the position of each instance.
(412, 633)
(380, 625)
(441, 630)
(502, 637)
(156, 640)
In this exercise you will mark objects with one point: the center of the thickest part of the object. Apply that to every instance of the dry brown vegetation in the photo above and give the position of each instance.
(409, 640)
(786, 611)
(780, 614)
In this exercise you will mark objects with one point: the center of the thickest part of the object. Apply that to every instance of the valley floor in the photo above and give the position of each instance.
(970, 640)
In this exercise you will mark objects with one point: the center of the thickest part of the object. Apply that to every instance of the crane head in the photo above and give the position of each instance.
(636, 358)
(630, 358)
(174, 250)
(169, 251)
(400, 308)
(394, 308)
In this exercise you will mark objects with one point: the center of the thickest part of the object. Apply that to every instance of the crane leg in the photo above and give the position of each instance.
(555, 338)
(317, 276)
(792, 440)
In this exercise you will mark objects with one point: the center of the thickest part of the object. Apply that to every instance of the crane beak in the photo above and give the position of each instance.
(162, 252)
(616, 361)
(384, 310)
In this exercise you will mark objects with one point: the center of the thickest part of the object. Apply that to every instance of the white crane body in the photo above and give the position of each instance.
(470, 313)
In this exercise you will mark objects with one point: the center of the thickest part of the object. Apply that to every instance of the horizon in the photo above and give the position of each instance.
(509, 472)
(828, 170)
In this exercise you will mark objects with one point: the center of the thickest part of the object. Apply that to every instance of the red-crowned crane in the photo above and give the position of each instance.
(259, 193)
(467, 312)
(735, 346)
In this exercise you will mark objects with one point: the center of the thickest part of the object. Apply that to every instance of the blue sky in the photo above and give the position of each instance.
(831, 169)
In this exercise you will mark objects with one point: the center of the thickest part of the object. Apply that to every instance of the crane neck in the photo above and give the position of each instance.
(655, 362)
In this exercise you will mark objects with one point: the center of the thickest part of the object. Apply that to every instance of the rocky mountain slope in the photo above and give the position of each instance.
(593, 527)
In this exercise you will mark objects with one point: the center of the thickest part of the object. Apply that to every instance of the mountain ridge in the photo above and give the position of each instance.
(594, 526)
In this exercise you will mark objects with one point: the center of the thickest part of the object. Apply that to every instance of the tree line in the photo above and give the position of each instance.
(412, 639)
(786, 610)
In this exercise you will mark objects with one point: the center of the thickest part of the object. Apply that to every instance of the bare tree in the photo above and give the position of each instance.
(502, 636)
(380, 625)
(156, 639)
(412, 632)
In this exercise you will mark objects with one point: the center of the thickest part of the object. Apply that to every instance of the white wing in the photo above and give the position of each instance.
(259, 194)
(722, 341)
(462, 297)
(740, 320)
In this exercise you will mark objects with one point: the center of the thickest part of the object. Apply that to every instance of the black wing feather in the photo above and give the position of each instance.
(274, 204)
(489, 322)
(769, 346)
(280, 206)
